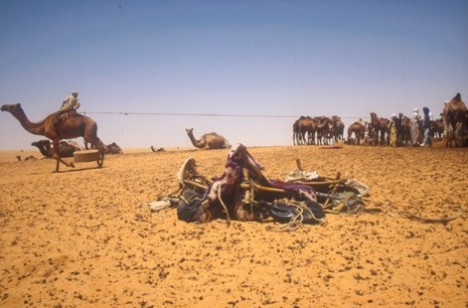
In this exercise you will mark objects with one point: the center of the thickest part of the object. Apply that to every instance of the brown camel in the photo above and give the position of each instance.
(338, 128)
(307, 126)
(359, 131)
(156, 150)
(437, 128)
(65, 149)
(30, 157)
(405, 130)
(113, 148)
(455, 116)
(324, 130)
(297, 139)
(208, 141)
(300, 127)
(379, 127)
(73, 126)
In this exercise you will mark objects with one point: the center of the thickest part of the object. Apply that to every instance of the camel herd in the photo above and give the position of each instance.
(317, 130)
(306, 131)
(329, 130)
(453, 125)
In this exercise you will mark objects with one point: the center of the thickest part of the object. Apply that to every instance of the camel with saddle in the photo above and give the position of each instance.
(74, 125)
(455, 116)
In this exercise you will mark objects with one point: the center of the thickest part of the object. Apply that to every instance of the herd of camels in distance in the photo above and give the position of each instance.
(452, 126)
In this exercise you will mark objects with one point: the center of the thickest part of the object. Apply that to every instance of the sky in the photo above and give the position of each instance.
(147, 70)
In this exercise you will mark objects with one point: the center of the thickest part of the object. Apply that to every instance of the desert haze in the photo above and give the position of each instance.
(85, 237)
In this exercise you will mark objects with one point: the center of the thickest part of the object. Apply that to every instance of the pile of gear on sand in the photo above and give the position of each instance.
(243, 193)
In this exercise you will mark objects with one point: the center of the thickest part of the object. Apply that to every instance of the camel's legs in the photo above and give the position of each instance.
(57, 165)
(57, 157)
(100, 161)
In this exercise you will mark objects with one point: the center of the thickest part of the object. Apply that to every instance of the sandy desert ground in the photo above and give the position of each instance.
(85, 237)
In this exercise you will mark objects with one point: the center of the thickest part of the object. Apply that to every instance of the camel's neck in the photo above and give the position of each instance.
(192, 139)
(33, 128)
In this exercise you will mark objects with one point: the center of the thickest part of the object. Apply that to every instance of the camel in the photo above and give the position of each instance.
(359, 131)
(302, 126)
(324, 130)
(461, 134)
(30, 157)
(455, 116)
(208, 141)
(297, 138)
(437, 128)
(65, 149)
(73, 126)
(307, 126)
(113, 148)
(404, 133)
(156, 150)
(338, 128)
(379, 126)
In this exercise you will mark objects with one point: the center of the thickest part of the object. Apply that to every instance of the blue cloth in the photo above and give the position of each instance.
(427, 137)
(426, 121)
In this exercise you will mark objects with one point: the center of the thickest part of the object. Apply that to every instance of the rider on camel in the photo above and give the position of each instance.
(70, 103)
